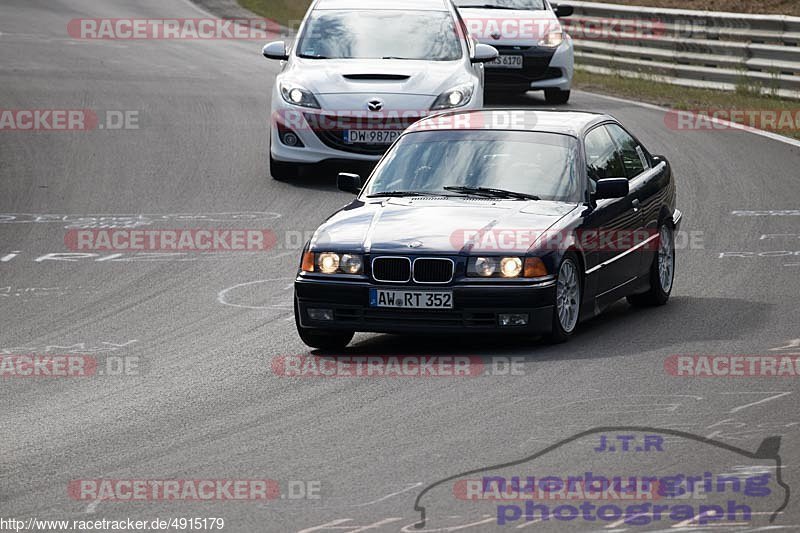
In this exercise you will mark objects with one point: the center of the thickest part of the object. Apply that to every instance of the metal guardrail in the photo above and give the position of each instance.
(691, 48)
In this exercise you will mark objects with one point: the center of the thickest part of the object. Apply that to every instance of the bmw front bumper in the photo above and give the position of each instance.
(475, 307)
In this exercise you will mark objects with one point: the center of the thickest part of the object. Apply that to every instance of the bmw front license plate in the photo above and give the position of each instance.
(411, 299)
(506, 62)
(371, 136)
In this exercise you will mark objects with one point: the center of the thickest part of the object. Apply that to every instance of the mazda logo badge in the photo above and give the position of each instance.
(375, 105)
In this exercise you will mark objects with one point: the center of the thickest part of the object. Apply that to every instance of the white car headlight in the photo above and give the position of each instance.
(455, 97)
(552, 39)
(297, 95)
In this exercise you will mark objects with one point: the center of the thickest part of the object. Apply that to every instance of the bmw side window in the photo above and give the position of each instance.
(603, 159)
(633, 157)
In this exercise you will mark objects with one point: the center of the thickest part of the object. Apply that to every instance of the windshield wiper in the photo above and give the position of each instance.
(492, 193)
(398, 194)
(312, 56)
(398, 57)
(392, 194)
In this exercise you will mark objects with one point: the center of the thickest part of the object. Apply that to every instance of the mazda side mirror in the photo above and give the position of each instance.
(349, 182)
(612, 188)
(485, 53)
(276, 50)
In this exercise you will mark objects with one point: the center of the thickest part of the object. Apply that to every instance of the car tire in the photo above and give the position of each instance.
(662, 272)
(281, 171)
(322, 339)
(567, 305)
(556, 96)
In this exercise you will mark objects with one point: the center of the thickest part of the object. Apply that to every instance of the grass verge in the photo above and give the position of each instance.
(287, 12)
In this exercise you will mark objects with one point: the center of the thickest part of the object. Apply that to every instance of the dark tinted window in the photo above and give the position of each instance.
(602, 156)
(633, 157)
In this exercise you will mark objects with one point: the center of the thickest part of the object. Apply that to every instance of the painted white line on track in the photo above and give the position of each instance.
(726, 123)
(221, 296)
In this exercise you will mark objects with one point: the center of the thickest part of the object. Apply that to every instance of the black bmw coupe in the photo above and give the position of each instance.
(509, 221)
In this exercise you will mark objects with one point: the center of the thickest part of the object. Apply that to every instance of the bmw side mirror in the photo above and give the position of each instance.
(349, 182)
(612, 188)
(564, 11)
(485, 54)
(276, 50)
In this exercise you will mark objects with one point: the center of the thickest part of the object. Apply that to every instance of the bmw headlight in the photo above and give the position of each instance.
(455, 97)
(351, 264)
(506, 267)
(328, 263)
(510, 267)
(332, 263)
(297, 95)
(552, 39)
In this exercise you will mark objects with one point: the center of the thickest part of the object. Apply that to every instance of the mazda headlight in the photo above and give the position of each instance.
(552, 39)
(455, 97)
(297, 95)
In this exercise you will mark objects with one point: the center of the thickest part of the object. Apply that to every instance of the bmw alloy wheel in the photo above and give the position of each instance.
(568, 296)
(666, 258)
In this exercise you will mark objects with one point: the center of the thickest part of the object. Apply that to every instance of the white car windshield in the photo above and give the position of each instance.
(528, 164)
(380, 34)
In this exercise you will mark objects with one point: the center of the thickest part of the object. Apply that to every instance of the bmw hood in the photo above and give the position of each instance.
(433, 225)
(510, 27)
(377, 77)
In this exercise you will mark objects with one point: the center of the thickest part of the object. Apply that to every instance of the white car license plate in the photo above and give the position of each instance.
(506, 62)
(371, 136)
(411, 299)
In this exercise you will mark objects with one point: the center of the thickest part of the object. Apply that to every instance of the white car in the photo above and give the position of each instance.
(535, 51)
(360, 72)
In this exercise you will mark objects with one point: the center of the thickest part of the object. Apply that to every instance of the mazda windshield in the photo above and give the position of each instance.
(380, 34)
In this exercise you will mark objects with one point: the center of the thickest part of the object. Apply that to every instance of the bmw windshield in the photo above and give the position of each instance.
(501, 164)
(380, 34)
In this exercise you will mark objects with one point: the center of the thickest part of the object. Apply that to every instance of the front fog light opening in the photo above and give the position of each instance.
(513, 319)
(289, 138)
(320, 314)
